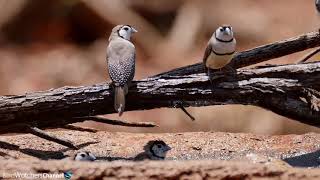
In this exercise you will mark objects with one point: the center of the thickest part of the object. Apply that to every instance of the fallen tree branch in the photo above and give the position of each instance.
(42, 134)
(277, 88)
(59, 107)
(78, 128)
(117, 122)
(258, 54)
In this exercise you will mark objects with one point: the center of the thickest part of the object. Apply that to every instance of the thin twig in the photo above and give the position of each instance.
(308, 56)
(179, 104)
(42, 134)
(187, 113)
(78, 128)
(117, 122)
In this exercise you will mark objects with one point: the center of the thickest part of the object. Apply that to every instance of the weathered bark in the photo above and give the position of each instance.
(281, 89)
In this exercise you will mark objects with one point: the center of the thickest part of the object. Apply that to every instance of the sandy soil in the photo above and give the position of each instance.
(194, 155)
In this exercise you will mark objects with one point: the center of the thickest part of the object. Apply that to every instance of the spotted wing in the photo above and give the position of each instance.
(121, 62)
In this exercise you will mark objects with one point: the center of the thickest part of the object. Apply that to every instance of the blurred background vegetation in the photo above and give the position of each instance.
(52, 43)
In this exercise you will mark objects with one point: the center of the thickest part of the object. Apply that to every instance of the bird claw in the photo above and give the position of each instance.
(229, 70)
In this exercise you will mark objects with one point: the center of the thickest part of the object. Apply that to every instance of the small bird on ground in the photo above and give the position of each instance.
(220, 50)
(121, 56)
(154, 150)
(84, 156)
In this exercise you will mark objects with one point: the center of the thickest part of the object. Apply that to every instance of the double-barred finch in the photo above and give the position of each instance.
(84, 156)
(220, 49)
(121, 55)
(154, 150)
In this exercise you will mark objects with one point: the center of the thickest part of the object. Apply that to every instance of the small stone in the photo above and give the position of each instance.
(197, 148)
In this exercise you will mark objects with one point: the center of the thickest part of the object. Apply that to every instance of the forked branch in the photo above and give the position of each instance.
(259, 54)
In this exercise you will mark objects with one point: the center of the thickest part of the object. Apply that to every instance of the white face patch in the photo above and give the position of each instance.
(84, 156)
(160, 149)
(224, 33)
(126, 32)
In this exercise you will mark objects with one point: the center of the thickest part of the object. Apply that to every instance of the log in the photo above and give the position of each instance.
(288, 90)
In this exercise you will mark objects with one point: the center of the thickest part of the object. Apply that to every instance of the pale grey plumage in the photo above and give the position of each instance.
(121, 63)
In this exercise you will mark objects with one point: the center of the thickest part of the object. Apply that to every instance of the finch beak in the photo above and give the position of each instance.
(227, 32)
(168, 148)
(93, 158)
(134, 30)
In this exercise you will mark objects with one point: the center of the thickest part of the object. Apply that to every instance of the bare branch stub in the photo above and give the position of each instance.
(277, 88)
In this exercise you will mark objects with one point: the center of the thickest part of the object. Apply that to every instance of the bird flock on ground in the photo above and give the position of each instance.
(153, 150)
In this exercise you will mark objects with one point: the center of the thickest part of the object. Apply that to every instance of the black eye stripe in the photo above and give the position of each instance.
(224, 28)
